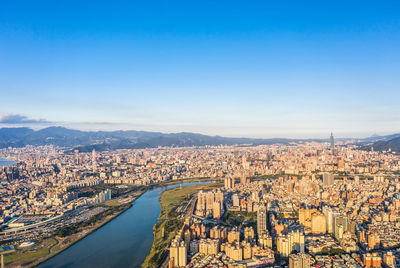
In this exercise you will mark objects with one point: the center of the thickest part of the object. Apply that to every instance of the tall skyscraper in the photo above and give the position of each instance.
(261, 220)
(332, 144)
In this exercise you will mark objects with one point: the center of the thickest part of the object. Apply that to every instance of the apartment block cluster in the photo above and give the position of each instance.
(323, 219)
(339, 199)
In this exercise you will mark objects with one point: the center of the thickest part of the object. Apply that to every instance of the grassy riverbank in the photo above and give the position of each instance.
(185, 180)
(28, 255)
(170, 221)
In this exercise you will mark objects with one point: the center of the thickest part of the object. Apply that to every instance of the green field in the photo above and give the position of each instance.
(168, 223)
(111, 203)
(40, 249)
(185, 180)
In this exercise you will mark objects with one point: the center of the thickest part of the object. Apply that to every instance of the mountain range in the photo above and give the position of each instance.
(109, 140)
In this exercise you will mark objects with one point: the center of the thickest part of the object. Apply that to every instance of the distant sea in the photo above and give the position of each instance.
(6, 162)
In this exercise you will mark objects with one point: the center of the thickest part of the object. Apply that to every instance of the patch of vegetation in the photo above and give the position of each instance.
(266, 176)
(112, 203)
(168, 222)
(240, 218)
(30, 254)
(332, 251)
(185, 180)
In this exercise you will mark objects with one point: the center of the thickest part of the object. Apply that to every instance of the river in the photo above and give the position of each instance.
(123, 242)
(6, 163)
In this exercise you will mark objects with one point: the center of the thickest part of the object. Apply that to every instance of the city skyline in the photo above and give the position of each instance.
(288, 69)
(211, 133)
(299, 205)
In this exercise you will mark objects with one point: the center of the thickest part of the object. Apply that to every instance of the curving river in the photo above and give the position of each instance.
(6, 162)
(123, 242)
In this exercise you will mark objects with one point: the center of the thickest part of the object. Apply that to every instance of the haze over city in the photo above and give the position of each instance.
(232, 68)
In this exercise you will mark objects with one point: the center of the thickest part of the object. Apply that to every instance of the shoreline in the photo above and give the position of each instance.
(162, 212)
(154, 228)
(7, 162)
(149, 188)
(79, 239)
(97, 227)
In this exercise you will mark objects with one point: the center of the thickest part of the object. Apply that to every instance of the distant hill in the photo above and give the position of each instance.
(385, 145)
(378, 138)
(13, 136)
(109, 140)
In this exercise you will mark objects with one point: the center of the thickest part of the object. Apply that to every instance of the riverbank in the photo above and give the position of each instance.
(6, 162)
(124, 242)
(83, 234)
(42, 254)
(186, 180)
(170, 221)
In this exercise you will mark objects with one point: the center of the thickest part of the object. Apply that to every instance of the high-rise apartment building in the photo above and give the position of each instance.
(341, 226)
(229, 182)
(234, 235)
(318, 223)
(294, 240)
(217, 207)
(329, 216)
(219, 232)
(261, 220)
(235, 200)
(178, 253)
(182, 254)
(301, 260)
(248, 233)
(265, 240)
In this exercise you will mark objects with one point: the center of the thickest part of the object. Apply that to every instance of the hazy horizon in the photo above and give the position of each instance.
(323, 136)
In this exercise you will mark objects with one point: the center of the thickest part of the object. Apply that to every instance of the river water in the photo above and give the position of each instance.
(6, 163)
(123, 242)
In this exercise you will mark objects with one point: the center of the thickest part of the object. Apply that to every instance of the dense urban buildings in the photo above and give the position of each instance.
(304, 204)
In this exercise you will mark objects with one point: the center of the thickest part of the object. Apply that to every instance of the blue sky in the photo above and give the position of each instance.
(232, 68)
